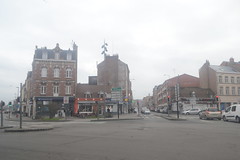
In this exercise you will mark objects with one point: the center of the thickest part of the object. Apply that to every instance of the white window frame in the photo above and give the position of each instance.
(233, 90)
(238, 80)
(56, 72)
(55, 89)
(57, 56)
(44, 72)
(69, 56)
(68, 89)
(87, 95)
(68, 73)
(227, 90)
(43, 89)
(232, 80)
(44, 55)
(226, 79)
(221, 90)
(220, 79)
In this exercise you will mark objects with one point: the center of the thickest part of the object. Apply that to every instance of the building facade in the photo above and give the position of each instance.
(181, 93)
(91, 99)
(53, 80)
(115, 73)
(223, 80)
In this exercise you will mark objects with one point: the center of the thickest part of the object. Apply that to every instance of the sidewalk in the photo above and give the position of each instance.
(29, 128)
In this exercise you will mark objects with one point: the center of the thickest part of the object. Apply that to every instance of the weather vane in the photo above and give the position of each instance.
(104, 46)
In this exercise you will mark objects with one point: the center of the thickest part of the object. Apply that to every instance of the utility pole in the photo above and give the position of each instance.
(1, 113)
(20, 105)
(177, 97)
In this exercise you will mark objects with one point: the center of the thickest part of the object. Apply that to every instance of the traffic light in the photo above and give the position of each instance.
(18, 99)
(2, 103)
(216, 98)
(168, 98)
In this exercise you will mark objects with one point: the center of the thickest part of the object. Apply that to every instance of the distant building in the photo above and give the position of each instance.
(89, 96)
(223, 80)
(190, 94)
(115, 73)
(51, 85)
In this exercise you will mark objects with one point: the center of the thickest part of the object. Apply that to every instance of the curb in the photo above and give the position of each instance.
(28, 129)
(17, 120)
(120, 119)
(4, 127)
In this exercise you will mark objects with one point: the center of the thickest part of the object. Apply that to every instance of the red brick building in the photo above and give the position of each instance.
(53, 80)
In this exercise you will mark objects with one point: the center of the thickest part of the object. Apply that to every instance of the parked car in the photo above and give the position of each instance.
(145, 110)
(232, 113)
(210, 113)
(191, 111)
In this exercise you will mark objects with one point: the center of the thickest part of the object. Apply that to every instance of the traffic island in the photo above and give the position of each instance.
(116, 119)
(29, 129)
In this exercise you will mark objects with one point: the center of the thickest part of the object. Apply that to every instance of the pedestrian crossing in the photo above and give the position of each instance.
(150, 116)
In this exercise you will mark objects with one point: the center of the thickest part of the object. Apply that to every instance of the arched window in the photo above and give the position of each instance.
(56, 72)
(44, 72)
(68, 73)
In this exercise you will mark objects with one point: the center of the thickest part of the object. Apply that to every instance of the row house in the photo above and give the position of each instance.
(51, 85)
(91, 98)
(223, 80)
(113, 72)
(189, 95)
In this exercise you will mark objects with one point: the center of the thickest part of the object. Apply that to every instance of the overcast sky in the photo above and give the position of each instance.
(158, 39)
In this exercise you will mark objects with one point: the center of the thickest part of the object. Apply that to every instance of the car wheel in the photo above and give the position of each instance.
(187, 113)
(238, 119)
(224, 118)
(200, 117)
(219, 118)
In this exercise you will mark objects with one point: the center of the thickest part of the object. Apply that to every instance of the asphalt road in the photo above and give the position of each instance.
(152, 138)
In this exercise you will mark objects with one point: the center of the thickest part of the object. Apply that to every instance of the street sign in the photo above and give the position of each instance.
(117, 89)
(116, 94)
(65, 100)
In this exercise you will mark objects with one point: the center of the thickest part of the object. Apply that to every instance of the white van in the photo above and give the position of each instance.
(232, 113)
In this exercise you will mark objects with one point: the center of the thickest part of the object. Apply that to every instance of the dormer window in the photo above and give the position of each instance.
(44, 55)
(57, 56)
(87, 95)
(101, 94)
(69, 56)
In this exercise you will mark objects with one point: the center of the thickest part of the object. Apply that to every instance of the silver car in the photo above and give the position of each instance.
(191, 111)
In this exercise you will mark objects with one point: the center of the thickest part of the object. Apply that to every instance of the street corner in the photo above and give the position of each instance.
(29, 128)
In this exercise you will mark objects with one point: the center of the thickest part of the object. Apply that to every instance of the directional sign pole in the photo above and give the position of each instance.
(118, 109)
(21, 105)
(1, 114)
